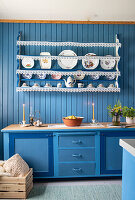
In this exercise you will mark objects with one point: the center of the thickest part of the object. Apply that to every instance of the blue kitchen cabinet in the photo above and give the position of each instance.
(111, 152)
(36, 149)
(77, 154)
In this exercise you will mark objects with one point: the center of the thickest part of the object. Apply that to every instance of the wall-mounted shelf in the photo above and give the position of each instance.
(74, 44)
(55, 89)
(35, 71)
(69, 57)
(68, 73)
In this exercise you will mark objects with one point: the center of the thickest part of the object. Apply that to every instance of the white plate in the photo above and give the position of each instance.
(79, 77)
(107, 64)
(28, 62)
(66, 63)
(90, 63)
(45, 63)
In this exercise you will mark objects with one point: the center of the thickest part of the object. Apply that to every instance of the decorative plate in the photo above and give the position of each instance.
(90, 63)
(107, 64)
(66, 63)
(56, 76)
(45, 63)
(79, 76)
(28, 62)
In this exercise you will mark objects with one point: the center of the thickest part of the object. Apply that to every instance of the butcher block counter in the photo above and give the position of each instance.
(57, 151)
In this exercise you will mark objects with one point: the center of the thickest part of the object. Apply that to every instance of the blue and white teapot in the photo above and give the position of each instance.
(70, 82)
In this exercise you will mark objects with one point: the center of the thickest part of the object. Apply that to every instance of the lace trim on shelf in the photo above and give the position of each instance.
(75, 44)
(70, 57)
(55, 89)
(47, 72)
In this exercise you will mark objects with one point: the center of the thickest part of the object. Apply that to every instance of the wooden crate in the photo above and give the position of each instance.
(16, 187)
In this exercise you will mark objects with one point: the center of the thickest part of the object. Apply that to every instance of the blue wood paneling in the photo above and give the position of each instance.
(53, 106)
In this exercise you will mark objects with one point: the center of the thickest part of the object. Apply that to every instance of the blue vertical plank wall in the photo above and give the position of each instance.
(53, 106)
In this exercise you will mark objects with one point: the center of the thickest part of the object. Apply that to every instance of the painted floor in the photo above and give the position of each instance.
(79, 182)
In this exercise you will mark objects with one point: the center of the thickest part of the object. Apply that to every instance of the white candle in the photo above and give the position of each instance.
(93, 110)
(23, 112)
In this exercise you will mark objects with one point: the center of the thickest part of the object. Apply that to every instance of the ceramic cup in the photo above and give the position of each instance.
(24, 85)
(111, 86)
(35, 85)
(47, 85)
(59, 85)
(90, 85)
(80, 85)
(100, 85)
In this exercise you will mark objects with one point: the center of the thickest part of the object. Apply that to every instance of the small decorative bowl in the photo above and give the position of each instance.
(73, 122)
(41, 76)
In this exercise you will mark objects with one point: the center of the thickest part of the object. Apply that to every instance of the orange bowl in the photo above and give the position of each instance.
(73, 122)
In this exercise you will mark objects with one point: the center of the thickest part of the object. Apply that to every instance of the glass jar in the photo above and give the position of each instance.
(116, 120)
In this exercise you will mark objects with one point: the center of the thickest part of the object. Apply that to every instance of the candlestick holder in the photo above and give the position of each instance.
(23, 124)
(93, 121)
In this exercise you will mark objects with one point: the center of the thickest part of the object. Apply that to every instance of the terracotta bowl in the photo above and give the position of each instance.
(73, 122)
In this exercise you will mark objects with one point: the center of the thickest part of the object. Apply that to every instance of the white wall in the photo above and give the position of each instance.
(96, 10)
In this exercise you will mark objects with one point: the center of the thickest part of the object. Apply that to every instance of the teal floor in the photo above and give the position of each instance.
(91, 191)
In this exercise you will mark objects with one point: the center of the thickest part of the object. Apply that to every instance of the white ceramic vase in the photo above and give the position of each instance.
(130, 120)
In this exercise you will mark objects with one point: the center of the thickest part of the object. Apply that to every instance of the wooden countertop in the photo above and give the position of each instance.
(17, 127)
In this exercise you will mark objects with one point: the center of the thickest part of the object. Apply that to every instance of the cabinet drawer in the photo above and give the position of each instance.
(69, 155)
(77, 141)
(77, 169)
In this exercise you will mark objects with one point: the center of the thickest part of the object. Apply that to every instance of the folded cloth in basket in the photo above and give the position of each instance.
(16, 166)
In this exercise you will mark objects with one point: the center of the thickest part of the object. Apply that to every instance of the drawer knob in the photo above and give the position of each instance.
(77, 155)
(77, 169)
(76, 142)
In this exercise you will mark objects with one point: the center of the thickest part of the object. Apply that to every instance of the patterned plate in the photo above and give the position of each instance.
(66, 63)
(107, 64)
(28, 62)
(90, 63)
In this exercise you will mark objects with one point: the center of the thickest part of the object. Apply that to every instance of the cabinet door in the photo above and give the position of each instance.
(111, 151)
(36, 149)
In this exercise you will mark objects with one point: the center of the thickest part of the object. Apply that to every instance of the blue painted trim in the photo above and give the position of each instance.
(105, 130)
(6, 145)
